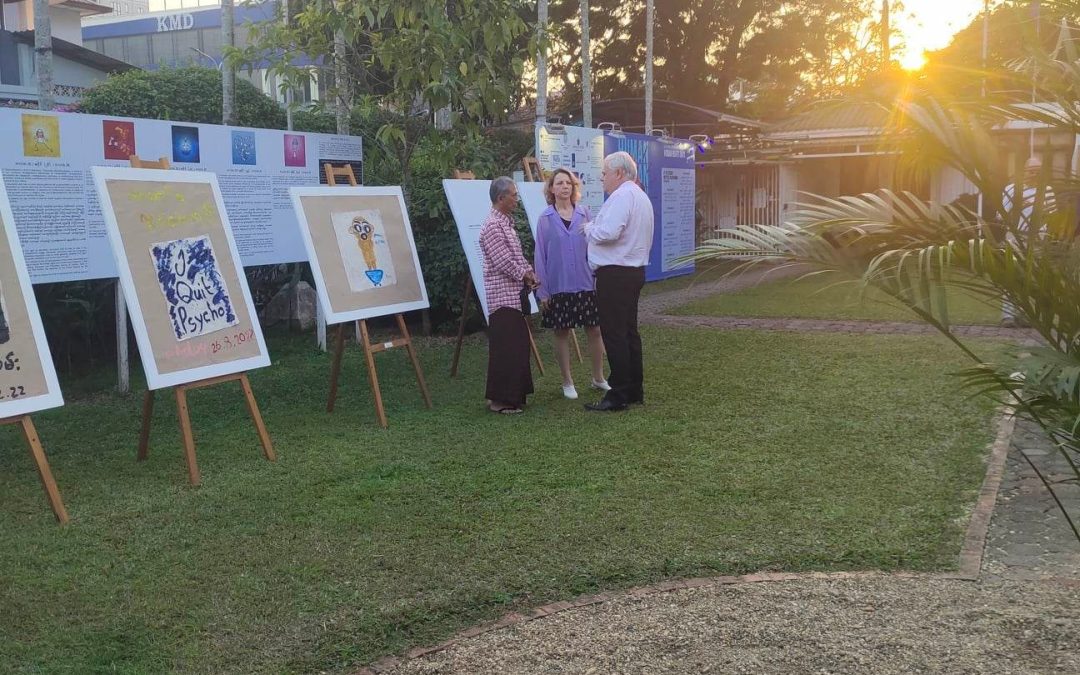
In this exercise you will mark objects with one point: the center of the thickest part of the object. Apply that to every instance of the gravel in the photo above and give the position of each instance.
(878, 624)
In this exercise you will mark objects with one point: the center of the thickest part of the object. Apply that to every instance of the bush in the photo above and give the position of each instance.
(191, 94)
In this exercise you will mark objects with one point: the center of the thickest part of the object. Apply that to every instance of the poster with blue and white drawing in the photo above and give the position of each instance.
(195, 292)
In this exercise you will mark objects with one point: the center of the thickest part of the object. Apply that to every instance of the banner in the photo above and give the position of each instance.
(181, 273)
(27, 377)
(61, 226)
(362, 252)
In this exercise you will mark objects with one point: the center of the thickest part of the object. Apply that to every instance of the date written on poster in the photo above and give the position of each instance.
(216, 346)
(9, 363)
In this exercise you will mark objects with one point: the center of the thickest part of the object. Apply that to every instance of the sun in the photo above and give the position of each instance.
(913, 60)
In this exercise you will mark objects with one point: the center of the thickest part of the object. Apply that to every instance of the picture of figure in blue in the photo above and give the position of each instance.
(5, 331)
(243, 147)
(195, 292)
(365, 251)
(185, 144)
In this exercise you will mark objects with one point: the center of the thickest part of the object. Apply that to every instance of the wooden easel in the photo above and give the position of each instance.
(181, 392)
(44, 473)
(533, 171)
(345, 172)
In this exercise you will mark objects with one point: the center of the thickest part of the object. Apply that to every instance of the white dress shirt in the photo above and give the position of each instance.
(622, 232)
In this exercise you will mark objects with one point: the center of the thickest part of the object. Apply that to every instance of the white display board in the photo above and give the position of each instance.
(27, 377)
(46, 161)
(470, 204)
(181, 273)
(362, 252)
(579, 149)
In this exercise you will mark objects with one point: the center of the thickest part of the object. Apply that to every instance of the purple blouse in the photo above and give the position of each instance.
(561, 257)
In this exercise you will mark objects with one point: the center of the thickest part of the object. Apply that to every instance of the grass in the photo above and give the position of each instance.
(756, 451)
(823, 298)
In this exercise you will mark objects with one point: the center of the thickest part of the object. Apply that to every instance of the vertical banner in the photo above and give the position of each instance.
(666, 173)
(181, 273)
(362, 252)
(27, 376)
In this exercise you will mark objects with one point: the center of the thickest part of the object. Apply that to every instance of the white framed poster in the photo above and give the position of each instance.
(181, 273)
(362, 252)
(27, 376)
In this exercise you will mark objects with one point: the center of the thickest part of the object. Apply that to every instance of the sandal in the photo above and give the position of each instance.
(508, 410)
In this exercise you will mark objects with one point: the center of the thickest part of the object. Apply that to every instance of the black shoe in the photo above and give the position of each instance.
(604, 405)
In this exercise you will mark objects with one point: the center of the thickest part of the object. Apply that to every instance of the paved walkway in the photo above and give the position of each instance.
(1013, 608)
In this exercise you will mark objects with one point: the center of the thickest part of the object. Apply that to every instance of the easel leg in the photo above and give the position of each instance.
(256, 417)
(44, 473)
(144, 433)
(373, 376)
(415, 361)
(577, 347)
(335, 367)
(461, 327)
(189, 438)
(532, 346)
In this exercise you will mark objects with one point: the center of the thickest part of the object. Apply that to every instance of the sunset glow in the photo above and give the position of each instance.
(926, 25)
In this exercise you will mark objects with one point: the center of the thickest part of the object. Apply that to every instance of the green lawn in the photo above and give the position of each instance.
(821, 297)
(756, 451)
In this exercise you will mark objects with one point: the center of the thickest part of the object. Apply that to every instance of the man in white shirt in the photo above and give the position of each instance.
(620, 238)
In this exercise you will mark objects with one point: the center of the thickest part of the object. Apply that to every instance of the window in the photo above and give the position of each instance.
(138, 51)
(187, 48)
(211, 41)
(113, 47)
(162, 49)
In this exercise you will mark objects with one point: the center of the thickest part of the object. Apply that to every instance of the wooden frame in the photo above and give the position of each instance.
(37, 453)
(139, 163)
(534, 173)
(363, 336)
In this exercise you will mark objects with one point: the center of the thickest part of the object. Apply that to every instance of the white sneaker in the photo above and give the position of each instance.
(569, 392)
(602, 385)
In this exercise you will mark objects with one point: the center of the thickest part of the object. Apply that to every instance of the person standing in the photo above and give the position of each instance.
(508, 279)
(620, 239)
(567, 289)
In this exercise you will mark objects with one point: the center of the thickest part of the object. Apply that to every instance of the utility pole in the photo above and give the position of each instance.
(586, 68)
(886, 36)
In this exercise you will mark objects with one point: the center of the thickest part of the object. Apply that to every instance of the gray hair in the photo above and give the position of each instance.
(499, 187)
(622, 161)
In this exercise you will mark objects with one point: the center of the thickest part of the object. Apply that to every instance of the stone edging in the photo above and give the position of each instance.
(971, 555)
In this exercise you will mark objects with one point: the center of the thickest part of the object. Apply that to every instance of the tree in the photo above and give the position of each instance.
(43, 54)
(704, 46)
(228, 71)
(1027, 254)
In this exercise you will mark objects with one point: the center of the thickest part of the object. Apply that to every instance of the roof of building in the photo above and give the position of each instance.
(676, 117)
(78, 54)
(845, 116)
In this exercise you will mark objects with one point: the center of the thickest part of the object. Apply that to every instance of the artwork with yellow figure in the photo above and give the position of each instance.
(41, 135)
(365, 252)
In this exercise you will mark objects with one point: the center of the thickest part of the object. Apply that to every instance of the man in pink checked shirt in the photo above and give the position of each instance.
(508, 279)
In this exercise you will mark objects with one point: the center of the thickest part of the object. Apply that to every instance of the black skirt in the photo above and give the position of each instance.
(509, 375)
(571, 310)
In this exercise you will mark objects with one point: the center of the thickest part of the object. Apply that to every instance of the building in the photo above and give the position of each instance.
(75, 68)
(186, 37)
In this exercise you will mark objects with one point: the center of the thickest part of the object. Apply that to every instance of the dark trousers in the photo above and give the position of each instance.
(617, 292)
(509, 376)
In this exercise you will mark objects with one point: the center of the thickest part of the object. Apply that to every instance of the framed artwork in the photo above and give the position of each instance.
(182, 278)
(362, 252)
(27, 377)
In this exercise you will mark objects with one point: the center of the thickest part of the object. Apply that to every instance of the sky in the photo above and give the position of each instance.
(930, 24)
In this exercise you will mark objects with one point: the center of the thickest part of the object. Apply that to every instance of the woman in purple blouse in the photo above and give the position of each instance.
(567, 290)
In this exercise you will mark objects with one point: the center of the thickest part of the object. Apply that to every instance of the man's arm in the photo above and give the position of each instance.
(611, 221)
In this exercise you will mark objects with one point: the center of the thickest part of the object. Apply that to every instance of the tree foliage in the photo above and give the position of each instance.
(191, 94)
(782, 51)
